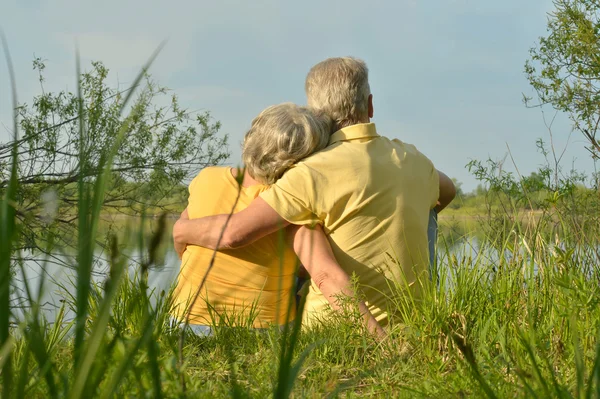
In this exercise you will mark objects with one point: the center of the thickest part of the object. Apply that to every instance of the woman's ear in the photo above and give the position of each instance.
(370, 106)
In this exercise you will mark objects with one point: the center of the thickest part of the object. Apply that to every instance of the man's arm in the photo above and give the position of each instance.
(314, 251)
(229, 231)
(447, 192)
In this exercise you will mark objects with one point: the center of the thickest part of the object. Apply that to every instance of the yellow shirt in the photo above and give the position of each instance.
(373, 196)
(257, 280)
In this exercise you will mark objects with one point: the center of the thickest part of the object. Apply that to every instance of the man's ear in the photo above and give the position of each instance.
(370, 106)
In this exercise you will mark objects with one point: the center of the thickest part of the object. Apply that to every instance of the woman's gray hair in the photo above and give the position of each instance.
(280, 136)
(339, 87)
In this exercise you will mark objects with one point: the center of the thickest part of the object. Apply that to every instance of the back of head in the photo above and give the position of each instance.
(339, 87)
(280, 136)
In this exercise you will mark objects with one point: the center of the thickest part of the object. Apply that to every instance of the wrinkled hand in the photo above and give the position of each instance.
(178, 245)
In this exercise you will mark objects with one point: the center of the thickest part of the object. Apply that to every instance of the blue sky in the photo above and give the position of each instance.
(446, 76)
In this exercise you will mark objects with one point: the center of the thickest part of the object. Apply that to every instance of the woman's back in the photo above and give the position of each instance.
(254, 283)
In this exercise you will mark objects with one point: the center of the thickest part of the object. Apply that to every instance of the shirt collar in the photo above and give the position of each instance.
(358, 131)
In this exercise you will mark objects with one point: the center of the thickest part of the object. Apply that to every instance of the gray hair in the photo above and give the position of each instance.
(339, 87)
(280, 136)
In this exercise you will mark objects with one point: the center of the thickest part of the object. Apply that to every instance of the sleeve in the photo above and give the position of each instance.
(431, 176)
(293, 196)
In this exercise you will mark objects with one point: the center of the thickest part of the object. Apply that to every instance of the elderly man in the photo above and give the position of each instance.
(371, 194)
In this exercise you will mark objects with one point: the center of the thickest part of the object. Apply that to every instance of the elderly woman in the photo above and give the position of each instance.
(254, 286)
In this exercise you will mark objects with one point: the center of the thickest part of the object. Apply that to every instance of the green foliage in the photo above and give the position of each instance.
(7, 236)
(564, 69)
(537, 205)
(508, 192)
(161, 146)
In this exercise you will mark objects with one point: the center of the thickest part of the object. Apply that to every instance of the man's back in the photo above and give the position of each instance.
(373, 196)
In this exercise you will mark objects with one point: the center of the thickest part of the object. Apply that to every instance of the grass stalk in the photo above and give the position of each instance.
(7, 234)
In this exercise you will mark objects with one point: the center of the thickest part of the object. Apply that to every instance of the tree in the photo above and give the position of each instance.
(165, 146)
(536, 181)
(564, 69)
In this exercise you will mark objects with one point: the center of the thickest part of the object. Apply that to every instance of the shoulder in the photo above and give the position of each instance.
(407, 146)
(208, 175)
(411, 149)
(300, 179)
(213, 171)
(309, 171)
(320, 162)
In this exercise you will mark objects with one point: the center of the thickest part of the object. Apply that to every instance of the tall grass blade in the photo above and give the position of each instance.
(579, 363)
(594, 377)
(536, 368)
(119, 372)
(84, 242)
(295, 368)
(89, 208)
(89, 220)
(24, 373)
(6, 350)
(526, 385)
(35, 336)
(80, 386)
(38, 348)
(288, 370)
(154, 368)
(59, 330)
(467, 351)
(7, 233)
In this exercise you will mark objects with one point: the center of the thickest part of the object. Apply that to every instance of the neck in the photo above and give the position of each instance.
(348, 124)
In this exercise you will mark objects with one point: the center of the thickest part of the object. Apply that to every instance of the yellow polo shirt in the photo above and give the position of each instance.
(373, 196)
(255, 282)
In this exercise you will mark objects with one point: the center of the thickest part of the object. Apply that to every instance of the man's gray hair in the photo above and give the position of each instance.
(280, 136)
(339, 87)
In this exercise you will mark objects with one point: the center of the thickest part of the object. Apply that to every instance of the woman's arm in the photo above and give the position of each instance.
(180, 246)
(316, 256)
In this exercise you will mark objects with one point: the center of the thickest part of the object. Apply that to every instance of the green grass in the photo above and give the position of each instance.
(518, 319)
(523, 324)
(513, 332)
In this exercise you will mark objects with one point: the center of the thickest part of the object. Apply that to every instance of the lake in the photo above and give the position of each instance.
(458, 239)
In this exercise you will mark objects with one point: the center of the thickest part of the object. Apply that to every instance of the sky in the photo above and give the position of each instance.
(446, 75)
